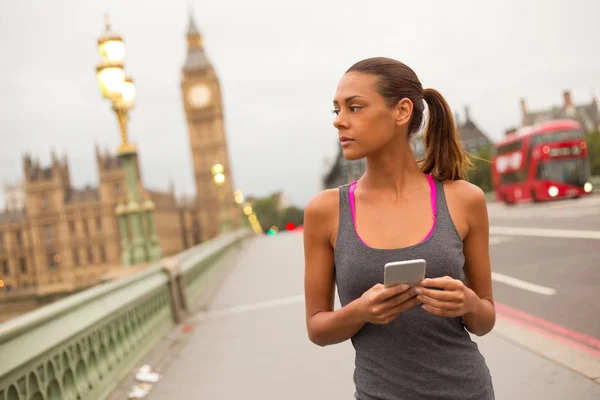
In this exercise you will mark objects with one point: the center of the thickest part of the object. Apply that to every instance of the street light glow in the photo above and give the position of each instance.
(219, 178)
(217, 169)
(113, 50)
(128, 93)
(111, 81)
(239, 197)
(248, 209)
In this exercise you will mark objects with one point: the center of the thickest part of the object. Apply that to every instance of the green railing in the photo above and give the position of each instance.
(81, 347)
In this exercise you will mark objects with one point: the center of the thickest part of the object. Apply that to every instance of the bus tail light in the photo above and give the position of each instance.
(582, 145)
(552, 191)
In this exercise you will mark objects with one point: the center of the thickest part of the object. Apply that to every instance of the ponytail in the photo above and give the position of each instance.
(445, 158)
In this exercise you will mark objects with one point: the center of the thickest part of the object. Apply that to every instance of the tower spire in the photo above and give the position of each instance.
(192, 28)
(194, 38)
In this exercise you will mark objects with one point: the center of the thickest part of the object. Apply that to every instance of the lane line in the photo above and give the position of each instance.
(578, 337)
(494, 240)
(249, 307)
(518, 283)
(543, 232)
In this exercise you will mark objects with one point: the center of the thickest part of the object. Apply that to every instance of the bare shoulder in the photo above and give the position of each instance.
(465, 193)
(321, 216)
(323, 204)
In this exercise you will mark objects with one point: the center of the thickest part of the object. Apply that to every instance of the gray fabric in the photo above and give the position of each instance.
(418, 355)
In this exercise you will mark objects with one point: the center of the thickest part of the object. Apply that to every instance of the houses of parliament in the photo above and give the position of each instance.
(56, 239)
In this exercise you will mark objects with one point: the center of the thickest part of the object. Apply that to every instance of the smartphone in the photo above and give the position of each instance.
(410, 272)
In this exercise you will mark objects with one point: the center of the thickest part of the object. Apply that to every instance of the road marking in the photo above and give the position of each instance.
(250, 307)
(499, 239)
(577, 337)
(518, 283)
(567, 349)
(542, 232)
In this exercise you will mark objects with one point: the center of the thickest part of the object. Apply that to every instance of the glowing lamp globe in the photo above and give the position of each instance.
(128, 93)
(111, 80)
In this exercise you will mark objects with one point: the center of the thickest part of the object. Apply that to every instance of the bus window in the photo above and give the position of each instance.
(553, 137)
(510, 147)
(509, 178)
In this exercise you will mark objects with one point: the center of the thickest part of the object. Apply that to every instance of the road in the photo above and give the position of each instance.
(569, 266)
(251, 342)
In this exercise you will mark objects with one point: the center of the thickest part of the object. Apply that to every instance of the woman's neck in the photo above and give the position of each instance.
(393, 170)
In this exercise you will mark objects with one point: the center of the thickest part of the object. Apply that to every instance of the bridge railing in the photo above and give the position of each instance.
(82, 346)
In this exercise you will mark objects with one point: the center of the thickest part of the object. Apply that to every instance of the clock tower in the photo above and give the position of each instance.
(204, 111)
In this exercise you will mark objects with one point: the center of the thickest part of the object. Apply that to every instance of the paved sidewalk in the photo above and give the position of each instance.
(252, 344)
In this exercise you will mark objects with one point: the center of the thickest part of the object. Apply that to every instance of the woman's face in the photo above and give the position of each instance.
(364, 121)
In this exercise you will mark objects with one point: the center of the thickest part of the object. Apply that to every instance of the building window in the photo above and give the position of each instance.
(98, 224)
(5, 270)
(44, 201)
(75, 257)
(49, 232)
(102, 255)
(85, 227)
(53, 260)
(23, 264)
(25, 285)
(1, 241)
(72, 228)
(90, 259)
(19, 235)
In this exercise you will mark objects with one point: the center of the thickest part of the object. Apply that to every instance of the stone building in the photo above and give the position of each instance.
(472, 137)
(66, 238)
(588, 115)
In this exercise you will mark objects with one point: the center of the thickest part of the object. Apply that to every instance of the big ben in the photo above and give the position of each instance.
(204, 111)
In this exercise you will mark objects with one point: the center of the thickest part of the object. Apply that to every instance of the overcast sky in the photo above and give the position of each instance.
(279, 63)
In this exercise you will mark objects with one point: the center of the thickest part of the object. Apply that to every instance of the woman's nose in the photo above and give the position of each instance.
(339, 121)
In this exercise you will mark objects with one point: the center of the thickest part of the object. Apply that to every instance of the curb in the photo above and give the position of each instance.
(575, 356)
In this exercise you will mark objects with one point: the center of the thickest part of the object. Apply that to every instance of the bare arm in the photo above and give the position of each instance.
(324, 325)
(481, 317)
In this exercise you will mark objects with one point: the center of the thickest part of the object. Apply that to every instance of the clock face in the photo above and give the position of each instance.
(199, 95)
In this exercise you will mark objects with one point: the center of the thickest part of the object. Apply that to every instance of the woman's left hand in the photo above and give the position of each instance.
(453, 300)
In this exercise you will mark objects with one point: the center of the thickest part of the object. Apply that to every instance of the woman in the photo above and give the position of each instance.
(411, 343)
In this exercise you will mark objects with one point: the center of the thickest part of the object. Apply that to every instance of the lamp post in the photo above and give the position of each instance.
(219, 178)
(119, 89)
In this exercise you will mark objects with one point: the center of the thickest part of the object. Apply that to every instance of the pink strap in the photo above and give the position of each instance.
(432, 195)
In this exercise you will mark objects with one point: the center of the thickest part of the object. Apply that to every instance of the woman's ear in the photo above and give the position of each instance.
(403, 111)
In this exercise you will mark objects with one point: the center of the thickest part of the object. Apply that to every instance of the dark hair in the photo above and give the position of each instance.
(445, 158)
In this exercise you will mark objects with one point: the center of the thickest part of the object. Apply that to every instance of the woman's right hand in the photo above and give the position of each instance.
(380, 305)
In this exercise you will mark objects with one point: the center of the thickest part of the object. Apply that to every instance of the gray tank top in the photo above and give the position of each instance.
(418, 355)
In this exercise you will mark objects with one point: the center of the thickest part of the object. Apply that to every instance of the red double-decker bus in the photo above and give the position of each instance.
(542, 162)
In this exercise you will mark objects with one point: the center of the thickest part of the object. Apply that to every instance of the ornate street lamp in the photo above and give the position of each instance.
(219, 178)
(119, 89)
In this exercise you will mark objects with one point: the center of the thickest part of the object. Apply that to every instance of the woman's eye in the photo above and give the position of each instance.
(336, 112)
(354, 108)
